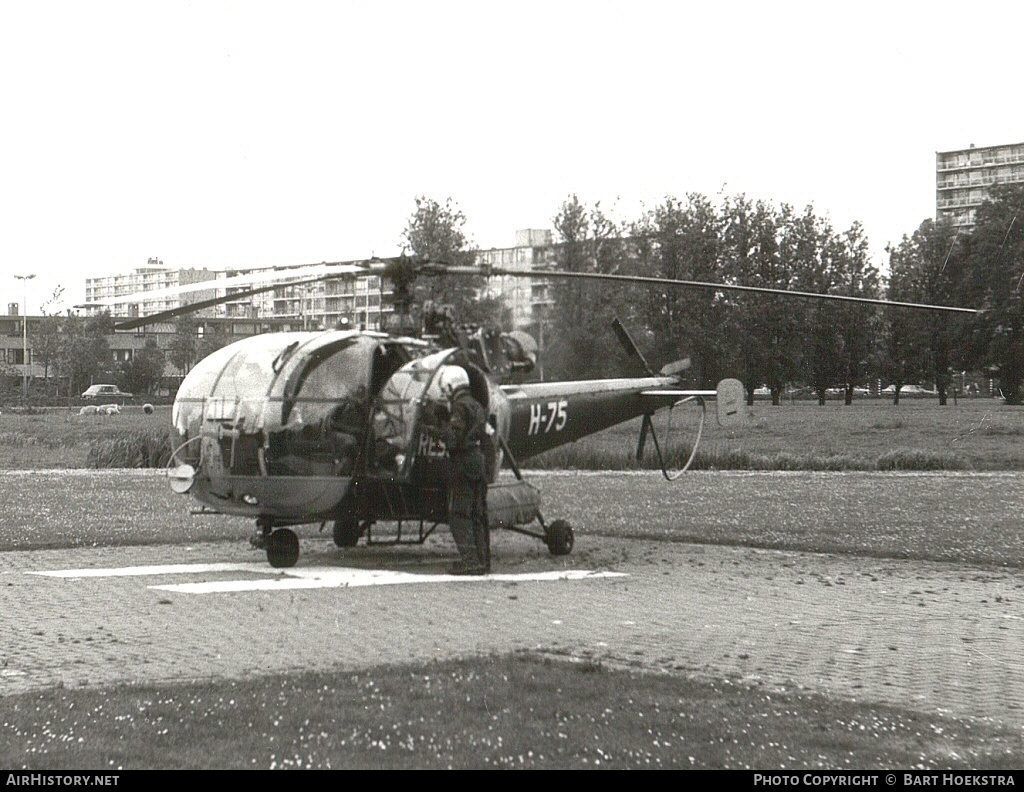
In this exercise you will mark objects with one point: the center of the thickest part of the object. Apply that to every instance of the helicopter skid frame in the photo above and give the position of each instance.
(420, 537)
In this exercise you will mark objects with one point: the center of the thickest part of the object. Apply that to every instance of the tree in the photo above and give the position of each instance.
(142, 373)
(82, 352)
(764, 326)
(993, 272)
(930, 267)
(681, 240)
(578, 342)
(810, 252)
(184, 345)
(46, 344)
(854, 276)
(901, 349)
(436, 232)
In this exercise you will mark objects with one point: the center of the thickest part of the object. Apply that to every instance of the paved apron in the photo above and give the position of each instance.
(936, 637)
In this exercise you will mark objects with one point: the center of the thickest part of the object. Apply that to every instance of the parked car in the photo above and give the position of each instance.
(105, 392)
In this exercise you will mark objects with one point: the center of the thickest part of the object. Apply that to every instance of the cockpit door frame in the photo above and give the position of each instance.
(398, 410)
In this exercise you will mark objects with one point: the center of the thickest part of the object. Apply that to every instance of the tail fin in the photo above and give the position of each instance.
(730, 404)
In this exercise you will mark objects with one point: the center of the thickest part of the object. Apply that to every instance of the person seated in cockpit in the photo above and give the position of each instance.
(435, 412)
(346, 426)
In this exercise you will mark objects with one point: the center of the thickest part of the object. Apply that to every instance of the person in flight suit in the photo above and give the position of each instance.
(463, 435)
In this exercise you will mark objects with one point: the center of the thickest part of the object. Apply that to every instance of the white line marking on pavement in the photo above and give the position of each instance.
(341, 578)
(165, 569)
(306, 577)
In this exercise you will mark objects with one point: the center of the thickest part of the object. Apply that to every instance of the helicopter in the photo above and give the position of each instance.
(296, 428)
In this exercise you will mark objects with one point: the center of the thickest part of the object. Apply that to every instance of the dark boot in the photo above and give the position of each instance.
(464, 568)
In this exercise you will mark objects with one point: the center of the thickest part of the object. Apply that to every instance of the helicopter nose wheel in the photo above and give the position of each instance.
(283, 548)
(559, 538)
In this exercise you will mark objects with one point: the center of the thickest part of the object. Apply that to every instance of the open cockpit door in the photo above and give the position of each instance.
(397, 438)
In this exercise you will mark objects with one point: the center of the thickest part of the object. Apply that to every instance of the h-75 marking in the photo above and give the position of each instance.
(545, 417)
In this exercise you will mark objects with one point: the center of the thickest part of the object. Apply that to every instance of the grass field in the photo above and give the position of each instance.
(61, 438)
(966, 518)
(871, 434)
(514, 712)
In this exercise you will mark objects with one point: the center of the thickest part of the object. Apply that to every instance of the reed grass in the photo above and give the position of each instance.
(132, 449)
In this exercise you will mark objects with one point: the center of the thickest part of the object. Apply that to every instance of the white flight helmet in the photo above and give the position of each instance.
(450, 379)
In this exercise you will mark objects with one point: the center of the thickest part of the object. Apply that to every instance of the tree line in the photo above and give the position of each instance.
(776, 340)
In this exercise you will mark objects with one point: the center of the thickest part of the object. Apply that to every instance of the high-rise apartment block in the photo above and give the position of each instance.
(964, 177)
(154, 277)
(528, 299)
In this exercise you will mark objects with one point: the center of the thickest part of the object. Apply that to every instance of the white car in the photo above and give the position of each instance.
(104, 391)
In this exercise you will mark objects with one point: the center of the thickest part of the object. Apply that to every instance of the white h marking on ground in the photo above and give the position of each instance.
(308, 577)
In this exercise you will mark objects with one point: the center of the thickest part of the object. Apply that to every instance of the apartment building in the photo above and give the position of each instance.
(154, 277)
(360, 302)
(363, 302)
(529, 299)
(964, 177)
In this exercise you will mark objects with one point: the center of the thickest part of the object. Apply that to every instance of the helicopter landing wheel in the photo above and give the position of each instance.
(347, 532)
(283, 548)
(559, 538)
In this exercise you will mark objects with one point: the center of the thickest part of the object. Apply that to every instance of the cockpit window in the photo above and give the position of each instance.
(321, 405)
(251, 373)
(217, 384)
(201, 379)
(230, 385)
(349, 363)
(287, 404)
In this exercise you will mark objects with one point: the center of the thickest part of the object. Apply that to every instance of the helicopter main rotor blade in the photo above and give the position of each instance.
(262, 280)
(281, 277)
(555, 274)
(182, 310)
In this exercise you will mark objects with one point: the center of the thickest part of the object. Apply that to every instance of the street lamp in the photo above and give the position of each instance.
(24, 336)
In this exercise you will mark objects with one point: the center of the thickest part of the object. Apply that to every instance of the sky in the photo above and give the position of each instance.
(236, 134)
